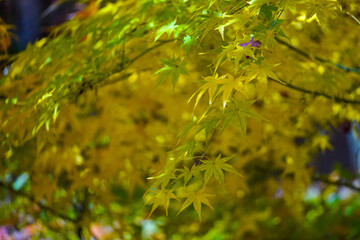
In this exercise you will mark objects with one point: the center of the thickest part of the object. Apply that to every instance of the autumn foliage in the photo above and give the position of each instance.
(175, 119)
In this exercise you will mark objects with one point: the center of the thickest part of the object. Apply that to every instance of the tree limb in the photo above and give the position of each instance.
(129, 63)
(40, 204)
(308, 56)
(340, 182)
(315, 93)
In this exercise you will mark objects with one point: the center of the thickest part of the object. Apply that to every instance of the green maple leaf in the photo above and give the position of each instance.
(187, 42)
(215, 168)
(162, 197)
(188, 149)
(169, 29)
(172, 69)
(267, 11)
(196, 198)
(187, 129)
(187, 173)
(238, 112)
(209, 124)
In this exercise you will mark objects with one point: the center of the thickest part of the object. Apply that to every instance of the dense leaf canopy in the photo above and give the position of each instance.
(176, 119)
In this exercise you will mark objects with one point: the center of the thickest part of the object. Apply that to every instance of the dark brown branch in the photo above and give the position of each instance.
(129, 63)
(316, 93)
(105, 79)
(208, 144)
(149, 50)
(40, 204)
(322, 60)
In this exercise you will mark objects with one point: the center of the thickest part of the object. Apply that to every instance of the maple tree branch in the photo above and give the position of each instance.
(40, 204)
(104, 78)
(315, 93)
(208, 144)
(308, 56)
(130, 62)
(149, 50)
(340, 182)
